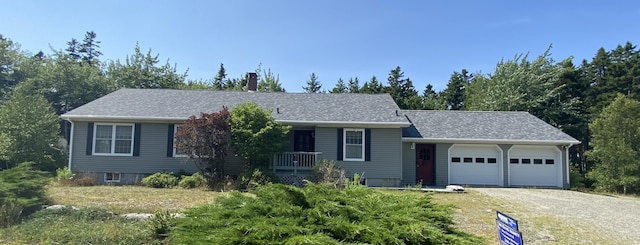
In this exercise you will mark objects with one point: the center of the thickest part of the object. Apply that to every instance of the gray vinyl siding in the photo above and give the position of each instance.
(505, 163)
(386, 154)
(153, 155)
(408, 164)
(442, 164)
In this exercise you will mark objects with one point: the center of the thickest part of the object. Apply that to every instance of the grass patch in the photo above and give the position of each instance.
(85, 226)
(475, 213)
(130, 199)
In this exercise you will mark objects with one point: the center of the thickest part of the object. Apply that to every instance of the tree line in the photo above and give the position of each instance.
(574, 98)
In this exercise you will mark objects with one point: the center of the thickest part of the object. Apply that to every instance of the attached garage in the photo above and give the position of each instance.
(475, 165)
(535, 166)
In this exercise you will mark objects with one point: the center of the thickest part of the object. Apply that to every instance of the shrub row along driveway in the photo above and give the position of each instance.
(615, 218)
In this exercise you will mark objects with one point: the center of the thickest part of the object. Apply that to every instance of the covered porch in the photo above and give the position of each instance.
(294, 161)
(300, 153)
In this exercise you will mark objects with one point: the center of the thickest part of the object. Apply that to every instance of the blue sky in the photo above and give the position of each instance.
(427, 39)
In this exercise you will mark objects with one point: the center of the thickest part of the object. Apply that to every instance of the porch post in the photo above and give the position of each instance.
(274, 162)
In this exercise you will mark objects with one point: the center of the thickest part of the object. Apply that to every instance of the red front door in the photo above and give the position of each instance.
(425, 164)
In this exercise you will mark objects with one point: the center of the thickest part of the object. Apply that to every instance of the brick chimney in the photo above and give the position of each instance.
(252, 82)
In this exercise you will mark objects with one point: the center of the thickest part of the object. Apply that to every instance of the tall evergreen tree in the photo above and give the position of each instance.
(372, 86)
(453, 94)
(340, 87)
(431, 99)
(73, 49)
(219, 80)
(270, 82)
(313, 84)
(401, 90)
(354, 85)
(89, 48)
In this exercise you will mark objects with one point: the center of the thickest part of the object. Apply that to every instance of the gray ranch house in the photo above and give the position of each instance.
(129, 134)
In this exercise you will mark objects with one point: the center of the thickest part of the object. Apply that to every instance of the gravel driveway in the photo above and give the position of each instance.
(617, 217)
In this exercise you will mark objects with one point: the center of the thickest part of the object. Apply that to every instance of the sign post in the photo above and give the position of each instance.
(508, 232)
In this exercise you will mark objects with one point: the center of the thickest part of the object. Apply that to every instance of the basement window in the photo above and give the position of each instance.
(111, 177)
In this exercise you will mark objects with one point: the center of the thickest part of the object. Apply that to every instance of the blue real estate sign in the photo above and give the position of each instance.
(511, 222)
(508, 230)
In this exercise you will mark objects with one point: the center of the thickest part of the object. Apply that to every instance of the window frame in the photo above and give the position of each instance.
(113, 139)
(344, 144)
(113, 179)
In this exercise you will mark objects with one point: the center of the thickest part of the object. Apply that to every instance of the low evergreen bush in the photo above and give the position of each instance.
(160, 180)
(319, 214)
(191, 181)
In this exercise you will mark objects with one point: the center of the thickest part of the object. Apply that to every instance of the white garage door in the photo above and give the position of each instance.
(535, 166)
(475, 165)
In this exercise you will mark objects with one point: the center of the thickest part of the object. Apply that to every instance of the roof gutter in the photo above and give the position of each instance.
(288, 122)
(488, 141)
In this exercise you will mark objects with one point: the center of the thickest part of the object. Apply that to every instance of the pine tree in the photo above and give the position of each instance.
(340, 87)
(73, 49)
(402, 90)
(372, 87)
(219, 80)
(354, 85)
(270, 82)
(431, 99)
(313, 84)
(454, 95)
(89, 48)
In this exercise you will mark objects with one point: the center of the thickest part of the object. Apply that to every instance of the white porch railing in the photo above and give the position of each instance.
(295, 161)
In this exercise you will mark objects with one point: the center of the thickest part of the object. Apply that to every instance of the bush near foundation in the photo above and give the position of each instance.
(160, 180)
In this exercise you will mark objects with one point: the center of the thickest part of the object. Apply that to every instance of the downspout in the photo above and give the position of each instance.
(567, 163)
(70, 144)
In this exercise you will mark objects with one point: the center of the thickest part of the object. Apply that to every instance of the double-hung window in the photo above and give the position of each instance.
(354, 145)
(113, 139)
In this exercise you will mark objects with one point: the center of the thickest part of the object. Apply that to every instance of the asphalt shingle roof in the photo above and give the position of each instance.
(481, 125)
(304, 107)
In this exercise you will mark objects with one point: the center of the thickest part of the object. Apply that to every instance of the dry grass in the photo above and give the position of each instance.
(130, 199)
(476, 213)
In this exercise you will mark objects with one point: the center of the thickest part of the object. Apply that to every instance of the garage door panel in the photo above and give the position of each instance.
(474, 165)
(535, 166)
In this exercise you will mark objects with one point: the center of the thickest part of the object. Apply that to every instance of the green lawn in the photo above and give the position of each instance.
(473, 213)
